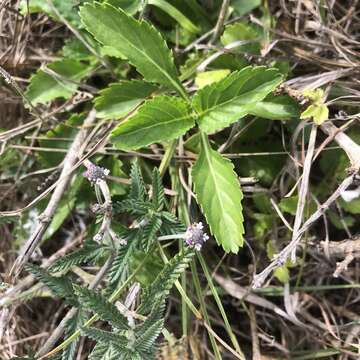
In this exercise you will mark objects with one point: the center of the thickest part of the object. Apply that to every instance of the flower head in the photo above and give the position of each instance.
(195, 236)
(97, 237)
(94, 173)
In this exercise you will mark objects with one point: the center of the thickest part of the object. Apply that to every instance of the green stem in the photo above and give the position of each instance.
(203, 308)
(179, 202)
(186, 218)
(165, 161)
(219, 304)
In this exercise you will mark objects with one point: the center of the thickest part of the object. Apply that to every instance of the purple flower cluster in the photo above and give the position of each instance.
(195, 236)
(94, 173)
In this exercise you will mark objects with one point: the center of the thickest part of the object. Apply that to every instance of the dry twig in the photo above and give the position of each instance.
(74, 153)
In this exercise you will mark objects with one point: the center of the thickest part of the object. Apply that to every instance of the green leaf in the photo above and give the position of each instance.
(149, 231)
(159, 289)
(59, 137)
(158, 193)
(222, 103)
(317, 95)
(138, 41)
(149, 270)
(120, 267)
(276, 108)
(242, 7)
(282, 274)
(241, 31)
(137, 186)
(75, 49)
(96, 303)
(208, 77)
(352, 207)
(103, 336)
(71, 326)
(121, 98)
(60, 286)
(66, 205)
(88, 252)
(65, 7)
(145, 341)
(103, 351)
(319, 113)
(219, 195)
(44, 87)
(161, 119)
(175, 14)
(64, 209)
(340, 222)
(263, 223)
(289, 205)
(131, 7)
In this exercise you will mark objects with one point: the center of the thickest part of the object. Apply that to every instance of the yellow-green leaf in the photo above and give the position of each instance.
(209, 77)
(319, 113)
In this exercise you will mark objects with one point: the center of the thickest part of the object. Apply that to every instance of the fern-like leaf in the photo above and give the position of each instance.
(96, 303)
(90, 251)
(145, 341)
(157, 313)
(120, 267)
(134, 207)
(165, 280)
(70, 327)
(59, 286)
(158, 194)
(106, 351)
(137, 187)
(170, 224)
(149, 232)
(103, 336)
(103, 351)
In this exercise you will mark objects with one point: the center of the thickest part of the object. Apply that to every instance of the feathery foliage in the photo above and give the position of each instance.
(60, 286)
(88, 253)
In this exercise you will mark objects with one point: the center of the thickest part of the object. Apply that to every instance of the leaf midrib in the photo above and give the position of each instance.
(154, 125)
(201, 114)
(177, 86)
(208, 159)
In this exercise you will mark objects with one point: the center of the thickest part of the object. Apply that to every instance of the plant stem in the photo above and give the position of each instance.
(221, 20)
(219, 304)
(200, 297)
(189, 303)
(167, 157)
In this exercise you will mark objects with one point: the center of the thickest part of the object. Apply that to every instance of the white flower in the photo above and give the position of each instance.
(98, 237)
(195, 236)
